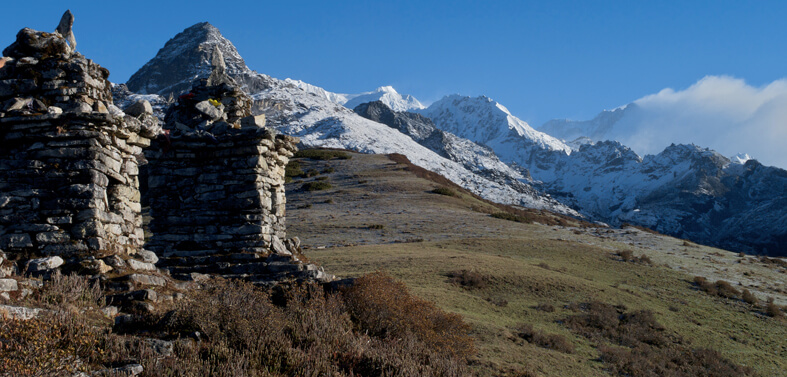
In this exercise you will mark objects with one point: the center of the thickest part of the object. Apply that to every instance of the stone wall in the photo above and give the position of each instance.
(217, 193)
(69, 193)
(216, 189)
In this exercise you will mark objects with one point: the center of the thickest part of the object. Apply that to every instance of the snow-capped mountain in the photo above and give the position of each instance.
(312, 116)
(476, 158)
(386, 94)
(489, 123)
(597, 129)
(685, 191)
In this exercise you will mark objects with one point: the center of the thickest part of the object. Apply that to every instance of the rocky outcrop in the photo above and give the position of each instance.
(69, 162)
(685, 191)
(216, 189)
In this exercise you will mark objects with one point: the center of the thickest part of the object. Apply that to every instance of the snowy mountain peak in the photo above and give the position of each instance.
(387, 95)
(740, 158)
(387, 89)
(184, 58)
(483, 120)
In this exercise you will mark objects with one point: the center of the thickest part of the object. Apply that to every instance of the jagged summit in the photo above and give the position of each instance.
(185, 58)
(386, 94)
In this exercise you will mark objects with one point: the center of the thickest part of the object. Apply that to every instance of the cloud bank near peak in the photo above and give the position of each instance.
(719, 112)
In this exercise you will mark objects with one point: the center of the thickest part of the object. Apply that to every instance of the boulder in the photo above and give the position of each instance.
(8, 285)
(138, 108)
(37, 44)
(44, 264)
(207, 109)
(257, 121)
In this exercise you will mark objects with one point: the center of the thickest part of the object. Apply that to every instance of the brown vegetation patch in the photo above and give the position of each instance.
(635, 344)
(551, 341)
(468, 279)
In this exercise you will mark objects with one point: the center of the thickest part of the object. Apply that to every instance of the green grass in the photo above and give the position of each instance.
(577, 274)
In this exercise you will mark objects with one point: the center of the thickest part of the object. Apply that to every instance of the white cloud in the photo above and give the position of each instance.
(718, 112)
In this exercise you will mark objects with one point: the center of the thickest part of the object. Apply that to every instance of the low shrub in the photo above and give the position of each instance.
(548, 308)
(316, 186)
(721, 288)
(521, 218)
(293, 169)
(444, 191)
(642, 347)
(551, 341)
(322, 154)
(383, 307)
(773, 310)
(468, 279)
(376, 226)
(749, 298)
(49, 345)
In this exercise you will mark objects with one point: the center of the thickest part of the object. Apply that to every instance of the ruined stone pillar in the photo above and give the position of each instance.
(69, 190)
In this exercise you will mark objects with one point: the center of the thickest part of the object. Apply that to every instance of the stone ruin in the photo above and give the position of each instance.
(216, 188)
(69, 194)
(70, 160)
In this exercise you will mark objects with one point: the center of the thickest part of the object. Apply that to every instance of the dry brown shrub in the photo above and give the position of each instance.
(749, 297)
(48, 345)
(385, 308)
(721, 288)
(69, 290)
(626, 255)
(551, 341)
(468, 279)
(773, 310)
(545, 308)
(642, 347)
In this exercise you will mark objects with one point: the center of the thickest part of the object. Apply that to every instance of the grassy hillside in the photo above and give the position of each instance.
(380, 215)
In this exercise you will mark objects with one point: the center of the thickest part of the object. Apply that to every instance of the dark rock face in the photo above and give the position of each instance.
(184, 57)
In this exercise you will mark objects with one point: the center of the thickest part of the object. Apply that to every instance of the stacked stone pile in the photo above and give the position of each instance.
(69, 187)
(216, 189)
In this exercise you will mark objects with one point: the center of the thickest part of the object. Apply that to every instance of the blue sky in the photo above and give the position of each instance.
(543, 60)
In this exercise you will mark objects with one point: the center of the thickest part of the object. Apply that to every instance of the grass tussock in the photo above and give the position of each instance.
(322, 154)
(635, 344)
(317, 185)
(444, 191)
